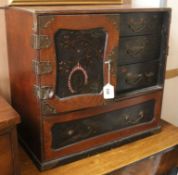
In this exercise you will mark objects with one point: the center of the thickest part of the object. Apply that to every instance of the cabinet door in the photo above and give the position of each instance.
(76, 50)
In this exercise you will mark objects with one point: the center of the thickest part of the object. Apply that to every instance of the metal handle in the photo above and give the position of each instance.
(132, 120)
(135, 51)
(137, 25)
(133, 79)
(149, 74)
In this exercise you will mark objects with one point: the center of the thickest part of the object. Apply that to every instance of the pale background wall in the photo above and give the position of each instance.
(170, 102)
(4, 76)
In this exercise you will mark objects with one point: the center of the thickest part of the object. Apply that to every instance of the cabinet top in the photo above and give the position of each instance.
(71, 9)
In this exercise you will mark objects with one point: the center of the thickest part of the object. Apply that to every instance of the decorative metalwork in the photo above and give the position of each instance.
(138, 48)
(133, 78)
(47, 109)
(136, 78)
(42, 67)
(133, 120)
(137, 25)
(73, 71)
(80, 56)
(45, 21)
(44, 92)
(40, 41)
(71, 132)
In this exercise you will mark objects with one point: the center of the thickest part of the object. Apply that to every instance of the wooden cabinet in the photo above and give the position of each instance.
(59, 64)
(9, 162)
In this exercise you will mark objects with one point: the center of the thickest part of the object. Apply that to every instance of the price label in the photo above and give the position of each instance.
(108, 91)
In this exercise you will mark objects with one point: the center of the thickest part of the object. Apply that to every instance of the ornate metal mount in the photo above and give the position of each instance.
(43, 92)
(40, 41)
(134, 78)
(47, 109)
(42, 67)
(45, 21)
(137, 25)
(133, 120)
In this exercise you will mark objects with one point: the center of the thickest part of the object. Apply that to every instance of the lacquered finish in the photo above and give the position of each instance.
(159, 157)
(103, 139)
(108, 23)
(38, 97)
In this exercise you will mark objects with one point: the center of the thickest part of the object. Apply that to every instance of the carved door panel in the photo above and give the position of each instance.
(75, 50)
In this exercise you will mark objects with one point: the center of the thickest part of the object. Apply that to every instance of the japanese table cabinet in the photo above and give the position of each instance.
(60, 59)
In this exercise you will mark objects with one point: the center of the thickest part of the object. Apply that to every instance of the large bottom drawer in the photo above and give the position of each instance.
(80, 132)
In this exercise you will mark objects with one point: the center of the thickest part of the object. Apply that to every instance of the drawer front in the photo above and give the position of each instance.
(138, 48)
(64, 134)
(100, 127)
(140, 23)
(135, 76)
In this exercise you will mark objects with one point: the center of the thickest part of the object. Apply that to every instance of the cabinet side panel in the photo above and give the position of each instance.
(20, 53)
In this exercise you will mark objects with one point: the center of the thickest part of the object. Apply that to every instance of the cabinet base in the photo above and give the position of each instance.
(67, 159)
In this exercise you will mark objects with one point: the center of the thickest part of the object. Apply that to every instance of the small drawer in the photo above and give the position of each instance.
(67, 133)
(138, 49)
(140, 23)
(136, 76)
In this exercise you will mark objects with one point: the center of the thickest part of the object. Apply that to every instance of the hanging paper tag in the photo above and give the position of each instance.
(108, 91)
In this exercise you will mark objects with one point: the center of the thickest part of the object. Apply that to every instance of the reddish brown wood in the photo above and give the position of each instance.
(22, 81)
(86, 22)
(35, 130)
(102, 139)
(136, 158)
(9, 162)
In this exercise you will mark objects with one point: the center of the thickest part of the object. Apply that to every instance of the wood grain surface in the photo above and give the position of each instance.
(8, 116)
(111, 160)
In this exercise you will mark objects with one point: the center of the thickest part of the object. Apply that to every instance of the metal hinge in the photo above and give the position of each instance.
(40, 41)
(41, 67)
(47, 109)
(43, 92)
(45, 21)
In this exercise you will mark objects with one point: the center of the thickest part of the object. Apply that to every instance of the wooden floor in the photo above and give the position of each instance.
(111, 160)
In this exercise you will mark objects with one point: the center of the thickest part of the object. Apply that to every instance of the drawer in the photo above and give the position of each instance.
(141, 23)
(138, 49)
(136, 76)
(64, 134)
(73, 133)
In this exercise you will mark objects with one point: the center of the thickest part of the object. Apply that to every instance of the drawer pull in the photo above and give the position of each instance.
(149, 74)
(135, 51)
(137, 25)
(133, 79)
(133, 120)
